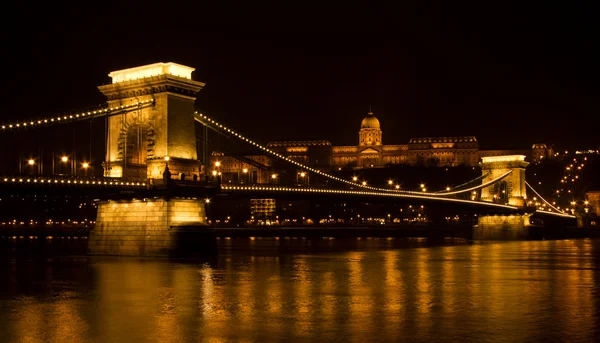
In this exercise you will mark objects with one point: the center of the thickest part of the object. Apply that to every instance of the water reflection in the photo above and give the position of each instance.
(355, 291)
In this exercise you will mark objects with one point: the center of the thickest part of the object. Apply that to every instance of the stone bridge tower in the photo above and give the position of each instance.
(510, 190)
(140, 143)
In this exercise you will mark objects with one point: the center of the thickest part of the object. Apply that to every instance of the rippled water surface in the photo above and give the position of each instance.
(281, 291)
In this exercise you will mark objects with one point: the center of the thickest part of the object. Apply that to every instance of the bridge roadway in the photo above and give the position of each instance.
(105, 188)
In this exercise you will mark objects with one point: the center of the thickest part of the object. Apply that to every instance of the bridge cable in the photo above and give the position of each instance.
(102, 112)
(466, 183)
(359, 193)
(205, 120)
(544, 200)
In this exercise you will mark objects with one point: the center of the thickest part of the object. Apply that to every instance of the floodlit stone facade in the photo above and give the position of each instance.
(370, 152)
(143, 228)
(138, 141)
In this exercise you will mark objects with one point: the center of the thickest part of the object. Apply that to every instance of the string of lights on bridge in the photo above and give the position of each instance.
(78, 116)
(203, 119)
(360, 193)
(574, 168)
(464, 184)
(92, 182)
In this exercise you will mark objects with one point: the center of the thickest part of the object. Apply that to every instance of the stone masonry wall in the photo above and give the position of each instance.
(142, 228)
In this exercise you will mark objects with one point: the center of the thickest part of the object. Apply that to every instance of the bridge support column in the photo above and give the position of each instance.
(151, 227)
(510, 190)
(140, 141)
(502, 227)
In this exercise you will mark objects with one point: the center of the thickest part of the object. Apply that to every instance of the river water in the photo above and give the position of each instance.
(300, 290)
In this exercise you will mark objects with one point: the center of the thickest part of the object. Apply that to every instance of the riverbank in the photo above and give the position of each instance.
(381, 231)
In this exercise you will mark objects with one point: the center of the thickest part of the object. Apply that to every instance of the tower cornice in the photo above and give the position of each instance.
(152, 85)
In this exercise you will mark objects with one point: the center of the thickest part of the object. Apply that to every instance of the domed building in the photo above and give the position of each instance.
(370, 152)
(370, 131)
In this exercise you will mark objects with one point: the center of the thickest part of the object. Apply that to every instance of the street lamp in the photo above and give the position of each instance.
(354, 178)
(245, 175)
(31, 163)
(217, 164)
(364, 183)
(302, 175)
(85, 166)
(64, 159)
(390, 183)
(397, 186)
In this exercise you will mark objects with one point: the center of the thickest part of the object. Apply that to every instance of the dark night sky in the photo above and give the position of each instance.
(510, 74)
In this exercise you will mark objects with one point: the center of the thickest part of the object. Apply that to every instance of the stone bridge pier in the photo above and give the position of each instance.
(157, 143)
(510, 191)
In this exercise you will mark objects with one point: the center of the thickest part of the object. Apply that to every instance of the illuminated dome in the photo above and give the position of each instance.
(370, 122)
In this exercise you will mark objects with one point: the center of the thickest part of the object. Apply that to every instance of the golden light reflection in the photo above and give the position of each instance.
(360, 303)
(423, 282)
(512, 290)
(29, 324)
(395, 290)
(449, 282)
(303, 299)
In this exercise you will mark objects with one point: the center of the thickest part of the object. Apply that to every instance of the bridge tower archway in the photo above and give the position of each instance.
(512, 189)
(138, 142)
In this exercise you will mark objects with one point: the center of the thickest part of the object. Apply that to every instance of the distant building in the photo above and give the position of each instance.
(594, 201)
(370, 152)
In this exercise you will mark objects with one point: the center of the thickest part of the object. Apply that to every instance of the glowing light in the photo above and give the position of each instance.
(85, 165)
(273, 176)
(217, 164)
(506, 158)
(31, 162)
(214, 172)
(390, 182)
(167, 158)
(150, 70)
(64, 159)
(245, 170)
(205, 120)
(303, 174)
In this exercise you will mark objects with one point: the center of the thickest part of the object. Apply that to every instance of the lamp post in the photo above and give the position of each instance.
(31, 163)
(274, 178)
(85, 166)
(64, 161)
(302, 175)
(245, 175)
